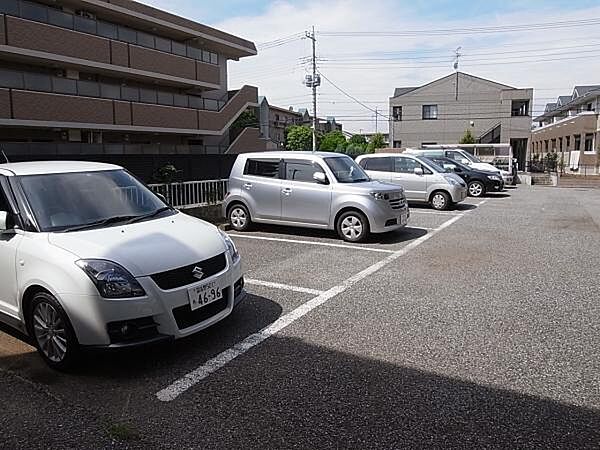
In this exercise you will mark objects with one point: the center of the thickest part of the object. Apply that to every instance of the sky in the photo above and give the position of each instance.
(524, 51)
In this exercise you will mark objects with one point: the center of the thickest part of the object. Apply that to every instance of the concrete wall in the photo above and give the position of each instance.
(486, 103)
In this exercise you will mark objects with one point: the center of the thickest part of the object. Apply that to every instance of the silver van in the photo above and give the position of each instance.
(421, 178)
(315, 190)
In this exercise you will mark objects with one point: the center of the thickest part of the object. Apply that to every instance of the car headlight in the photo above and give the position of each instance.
(452, 181)
(111, 280)
(231, 248)
(494, 177)
(380, 196)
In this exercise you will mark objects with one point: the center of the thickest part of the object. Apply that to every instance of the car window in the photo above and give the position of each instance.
(268, 168)
(378, 164)
(406, 165)
(3, 202)
(301, 170)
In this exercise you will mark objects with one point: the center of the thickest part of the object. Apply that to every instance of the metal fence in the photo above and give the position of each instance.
(192, 194)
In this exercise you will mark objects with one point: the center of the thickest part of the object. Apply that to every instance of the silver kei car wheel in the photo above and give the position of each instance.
(238, 217)
(439, 201)
(351, 227)
(50, 332)
(476, 189)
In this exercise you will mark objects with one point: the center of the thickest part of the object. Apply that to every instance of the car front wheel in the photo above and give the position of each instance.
(353, 226)
(52, 332)
(476, 189)
(440, 201)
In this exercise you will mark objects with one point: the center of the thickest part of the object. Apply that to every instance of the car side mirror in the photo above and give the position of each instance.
(320, 178)
(418, 171)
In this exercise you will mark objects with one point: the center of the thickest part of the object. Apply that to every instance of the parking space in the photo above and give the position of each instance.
(335, 339)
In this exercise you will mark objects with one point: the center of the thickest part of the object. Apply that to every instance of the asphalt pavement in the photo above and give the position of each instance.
(474, 328)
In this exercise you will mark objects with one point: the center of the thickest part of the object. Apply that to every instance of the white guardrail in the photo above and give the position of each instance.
(192, 194)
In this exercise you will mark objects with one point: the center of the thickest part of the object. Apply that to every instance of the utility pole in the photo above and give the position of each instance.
(313, 82)
(376, 113)
(457, 56)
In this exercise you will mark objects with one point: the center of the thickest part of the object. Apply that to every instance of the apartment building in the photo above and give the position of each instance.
(274, 120)
(571, 126)
(441, 111)
(100, 77)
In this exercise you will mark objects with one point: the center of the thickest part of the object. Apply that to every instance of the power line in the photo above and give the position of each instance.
(475, 30)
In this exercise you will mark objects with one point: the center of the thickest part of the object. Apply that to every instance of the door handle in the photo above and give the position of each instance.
(286, 191)
(247, 185)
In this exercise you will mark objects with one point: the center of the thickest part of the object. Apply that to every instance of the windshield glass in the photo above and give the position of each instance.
(470, 157)
(346, 170)
(71, 200)
(432, 165)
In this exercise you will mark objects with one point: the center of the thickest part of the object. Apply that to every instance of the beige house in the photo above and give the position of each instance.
(441, 111)
(571, 127)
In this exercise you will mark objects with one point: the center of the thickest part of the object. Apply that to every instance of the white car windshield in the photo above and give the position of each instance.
(346, 170)
(72, 201)
(470, 157)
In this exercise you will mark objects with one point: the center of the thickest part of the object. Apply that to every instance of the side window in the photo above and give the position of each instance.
(268, 168)
(456, 156)
(406, 165)
(301, 170)
(379, 164)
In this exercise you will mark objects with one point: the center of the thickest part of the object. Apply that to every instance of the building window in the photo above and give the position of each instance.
(590, 106)
(553, 145)
(60, 19)
(397, 113)
(568, 142)
(589, 141)
(577, 142)
(519, 108)
(397, 144)
(38, 82)
(430, 112)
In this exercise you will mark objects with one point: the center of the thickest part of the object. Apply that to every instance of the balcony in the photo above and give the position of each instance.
(22, 108)
(34, 42)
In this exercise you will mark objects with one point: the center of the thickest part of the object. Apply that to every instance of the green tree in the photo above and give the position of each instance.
(357, 139)
(377, 141)
(467, 138)
(246, 119)
(334, 141)
(298, 138)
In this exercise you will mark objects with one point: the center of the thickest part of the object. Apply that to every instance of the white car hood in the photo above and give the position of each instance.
(148, 247)
(485, 166)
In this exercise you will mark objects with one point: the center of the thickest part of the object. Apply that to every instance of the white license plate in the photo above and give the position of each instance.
(204, 294)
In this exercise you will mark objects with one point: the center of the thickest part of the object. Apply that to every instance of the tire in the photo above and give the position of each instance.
(352, 226)
(239, 217)
(440, 200)
(52, 332)
(476, 189)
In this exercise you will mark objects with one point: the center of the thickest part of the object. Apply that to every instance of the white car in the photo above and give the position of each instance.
(90, 257)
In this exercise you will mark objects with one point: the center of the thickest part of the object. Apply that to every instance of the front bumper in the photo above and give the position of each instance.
(458, 193)
(494, 185)
(384, 218)
(166, 312)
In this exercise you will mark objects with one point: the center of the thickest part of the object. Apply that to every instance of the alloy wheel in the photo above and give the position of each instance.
(476, 189)
(50, 331)
(352, 227)
(238, 218)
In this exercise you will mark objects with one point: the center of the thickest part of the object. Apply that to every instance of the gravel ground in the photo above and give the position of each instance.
(486, 335)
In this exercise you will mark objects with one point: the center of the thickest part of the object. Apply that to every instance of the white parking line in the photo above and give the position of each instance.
(440, 213)
(306, 242)
(181, 385)
(285, 287)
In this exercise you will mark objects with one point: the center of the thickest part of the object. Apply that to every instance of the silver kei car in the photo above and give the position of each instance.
(315, 190)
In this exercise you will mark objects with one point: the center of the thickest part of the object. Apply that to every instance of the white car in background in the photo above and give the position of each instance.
(463, 157)
(90, 257)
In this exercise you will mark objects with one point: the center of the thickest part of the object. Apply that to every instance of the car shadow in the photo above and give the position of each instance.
(497, 195)
(251, 315)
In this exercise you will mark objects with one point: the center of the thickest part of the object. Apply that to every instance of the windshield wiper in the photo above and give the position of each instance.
(99, 223)
(149, 215)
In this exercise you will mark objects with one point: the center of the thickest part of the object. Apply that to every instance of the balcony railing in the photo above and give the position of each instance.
(80, 148)
(192, 194)
(53, 16)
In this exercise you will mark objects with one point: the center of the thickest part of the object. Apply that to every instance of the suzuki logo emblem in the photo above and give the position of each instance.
(197, 272)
